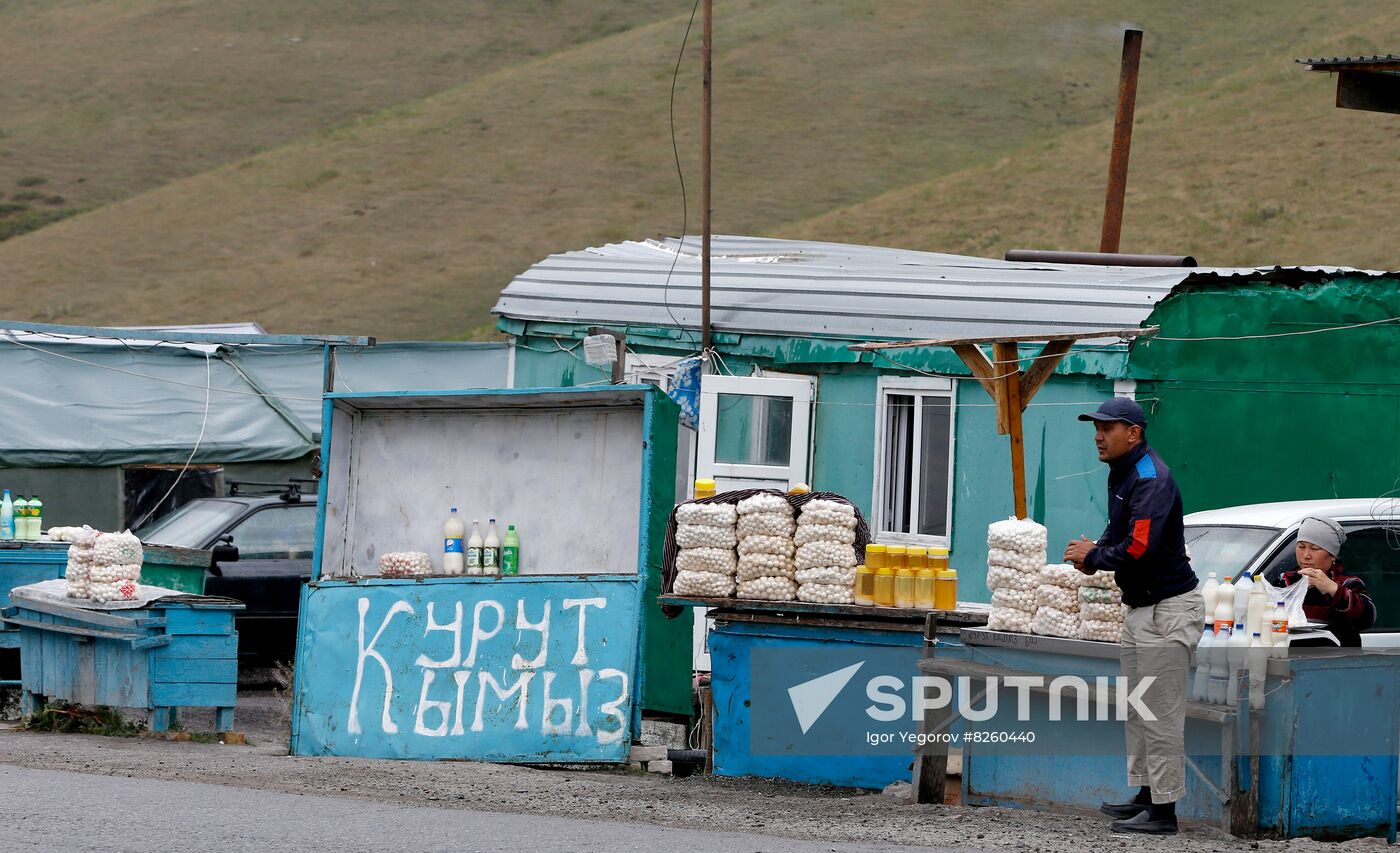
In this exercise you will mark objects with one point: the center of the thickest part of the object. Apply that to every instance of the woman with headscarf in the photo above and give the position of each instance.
(1334, 598)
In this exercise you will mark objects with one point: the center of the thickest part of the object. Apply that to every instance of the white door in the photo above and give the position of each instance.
(755, 433)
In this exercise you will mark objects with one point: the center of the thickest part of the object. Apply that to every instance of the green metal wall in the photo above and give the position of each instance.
(1065, 480)
(1286, 418)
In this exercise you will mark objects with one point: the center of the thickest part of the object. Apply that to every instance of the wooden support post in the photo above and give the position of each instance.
(931, 759)
(1006, 359)
(1044, 365)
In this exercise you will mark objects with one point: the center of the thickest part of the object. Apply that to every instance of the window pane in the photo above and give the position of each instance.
(277, 533)
(899, 459)
(751, 430)
(936, 421)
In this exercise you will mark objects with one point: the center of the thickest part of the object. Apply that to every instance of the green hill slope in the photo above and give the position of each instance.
(408, 222)
(1257, 167)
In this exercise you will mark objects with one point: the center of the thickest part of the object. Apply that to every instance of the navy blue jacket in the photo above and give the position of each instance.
(1144, 543)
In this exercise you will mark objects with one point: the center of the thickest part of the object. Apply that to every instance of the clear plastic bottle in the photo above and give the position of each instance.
(1237, 656)
(1254, 614)
(454, 561)
(904, 588)
(474, 549)
(510, 552)
(864, 593)
(924, 588)
(704, 488)
(1278, 621)
(491, 551)
(884, 586)
(1243, 587)
(7, 517)
(1224, 615)
(1219, 665)
(1200, 687)
(1208, 592)
(875, 556)
(945, 589)
(1257, 660)
(21, 521)
(896, 556)
(36, 518)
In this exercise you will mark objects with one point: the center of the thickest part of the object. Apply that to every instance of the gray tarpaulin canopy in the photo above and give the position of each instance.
(91, 403)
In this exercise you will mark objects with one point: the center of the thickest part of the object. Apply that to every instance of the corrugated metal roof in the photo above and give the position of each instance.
(1380, 63)
(790, 287)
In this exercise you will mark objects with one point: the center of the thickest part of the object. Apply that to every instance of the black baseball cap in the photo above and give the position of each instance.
(1118, 409)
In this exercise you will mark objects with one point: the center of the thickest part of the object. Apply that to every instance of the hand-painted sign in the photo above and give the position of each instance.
(528, 669)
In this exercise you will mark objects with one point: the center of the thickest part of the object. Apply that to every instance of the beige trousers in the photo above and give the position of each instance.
(1158, 641)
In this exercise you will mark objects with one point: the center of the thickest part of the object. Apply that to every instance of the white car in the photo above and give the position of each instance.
(1259, 538)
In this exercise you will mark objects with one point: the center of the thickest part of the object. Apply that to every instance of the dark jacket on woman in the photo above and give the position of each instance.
(1347, 612)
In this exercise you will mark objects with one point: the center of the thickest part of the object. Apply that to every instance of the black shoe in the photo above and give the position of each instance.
(1122, 810)
(1143, 822)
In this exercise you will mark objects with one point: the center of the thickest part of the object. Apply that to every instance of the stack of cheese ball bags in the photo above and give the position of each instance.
(766, 548)
(826, 553)
(706, 537)
(1015, 556)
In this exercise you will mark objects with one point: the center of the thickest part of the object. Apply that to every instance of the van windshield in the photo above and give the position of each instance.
(1226, 550)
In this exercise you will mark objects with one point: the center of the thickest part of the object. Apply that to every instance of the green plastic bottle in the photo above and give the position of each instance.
(510, 552)
(22, 519)
(36, 518)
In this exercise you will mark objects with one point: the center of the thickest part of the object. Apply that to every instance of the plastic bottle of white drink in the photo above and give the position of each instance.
(1258, 603)
(21, 522)
(1224, 615)
(1257, 659)
(454, 562)
(1219, 666)
(491, 551)
(474, 549)
(36, 518)
(1200, 688)
(1208, 592)
(1238, 657)
(1243, 587)
(1279, 623)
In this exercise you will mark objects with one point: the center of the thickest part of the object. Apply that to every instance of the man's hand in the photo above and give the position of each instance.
(1318, 578)
(1076, 552)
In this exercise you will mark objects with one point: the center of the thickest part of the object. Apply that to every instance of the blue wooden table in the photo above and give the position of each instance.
(23, 563)
(176, 651)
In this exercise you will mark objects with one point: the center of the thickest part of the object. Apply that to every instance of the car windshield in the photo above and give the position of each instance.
(1226, 550)
(191, 525)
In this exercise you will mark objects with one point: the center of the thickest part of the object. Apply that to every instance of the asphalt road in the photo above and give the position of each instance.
(61, 811)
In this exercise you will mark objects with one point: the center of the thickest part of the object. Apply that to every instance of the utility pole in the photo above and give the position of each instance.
(1122, 142)
(705, 190)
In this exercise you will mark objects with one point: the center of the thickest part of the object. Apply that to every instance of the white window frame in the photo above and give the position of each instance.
(912, 386)
(800, 390)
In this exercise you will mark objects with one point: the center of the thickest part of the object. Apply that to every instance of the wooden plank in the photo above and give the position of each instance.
(1041, 369)
(968, 613)
(71, 629)
(982, 369)
(194, 694)
(181, 670)
(1009, 409)
(200, 646)
(184, 620)
(79, 614)
(1066, 335)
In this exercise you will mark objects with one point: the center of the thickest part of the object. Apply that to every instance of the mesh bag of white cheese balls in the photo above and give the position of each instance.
(404, 564)
(1109, 632)
(1017, 599)
(754, 566)
(710, 515)
(1100, 612)
(826, 593)
(779, 545)
(768, 589)
(79, 581)
(1052, 622)
(703, 584)
(1009, 619)
(1050, 595)
(829, 517)
(704, 536)
(1003, 578)
(1099, 580)
(766, 524)
(1061, 574)
(1032, 562)
(815, 554)
(828, 574)
(824, 533)
(1017, 534)
(721, 561)
(116, 549)
(765, 502)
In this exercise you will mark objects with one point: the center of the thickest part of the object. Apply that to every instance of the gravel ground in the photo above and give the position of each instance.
(701, 802)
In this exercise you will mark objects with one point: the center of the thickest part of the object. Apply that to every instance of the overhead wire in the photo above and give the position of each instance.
(204, 424)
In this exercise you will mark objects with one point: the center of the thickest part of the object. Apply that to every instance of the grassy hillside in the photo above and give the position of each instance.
(1257, 167)
(958, 126)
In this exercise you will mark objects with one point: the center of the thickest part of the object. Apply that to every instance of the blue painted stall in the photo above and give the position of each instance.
(790, 683)
(175, 651)
(1319, 760)
(22, 564)
(552, 665)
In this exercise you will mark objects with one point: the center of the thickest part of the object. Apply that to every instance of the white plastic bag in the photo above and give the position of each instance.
(1291, 596)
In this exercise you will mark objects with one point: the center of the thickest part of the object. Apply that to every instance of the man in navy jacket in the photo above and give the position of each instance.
(1144, 547)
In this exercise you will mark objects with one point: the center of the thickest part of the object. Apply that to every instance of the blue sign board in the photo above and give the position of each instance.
(521, 669)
